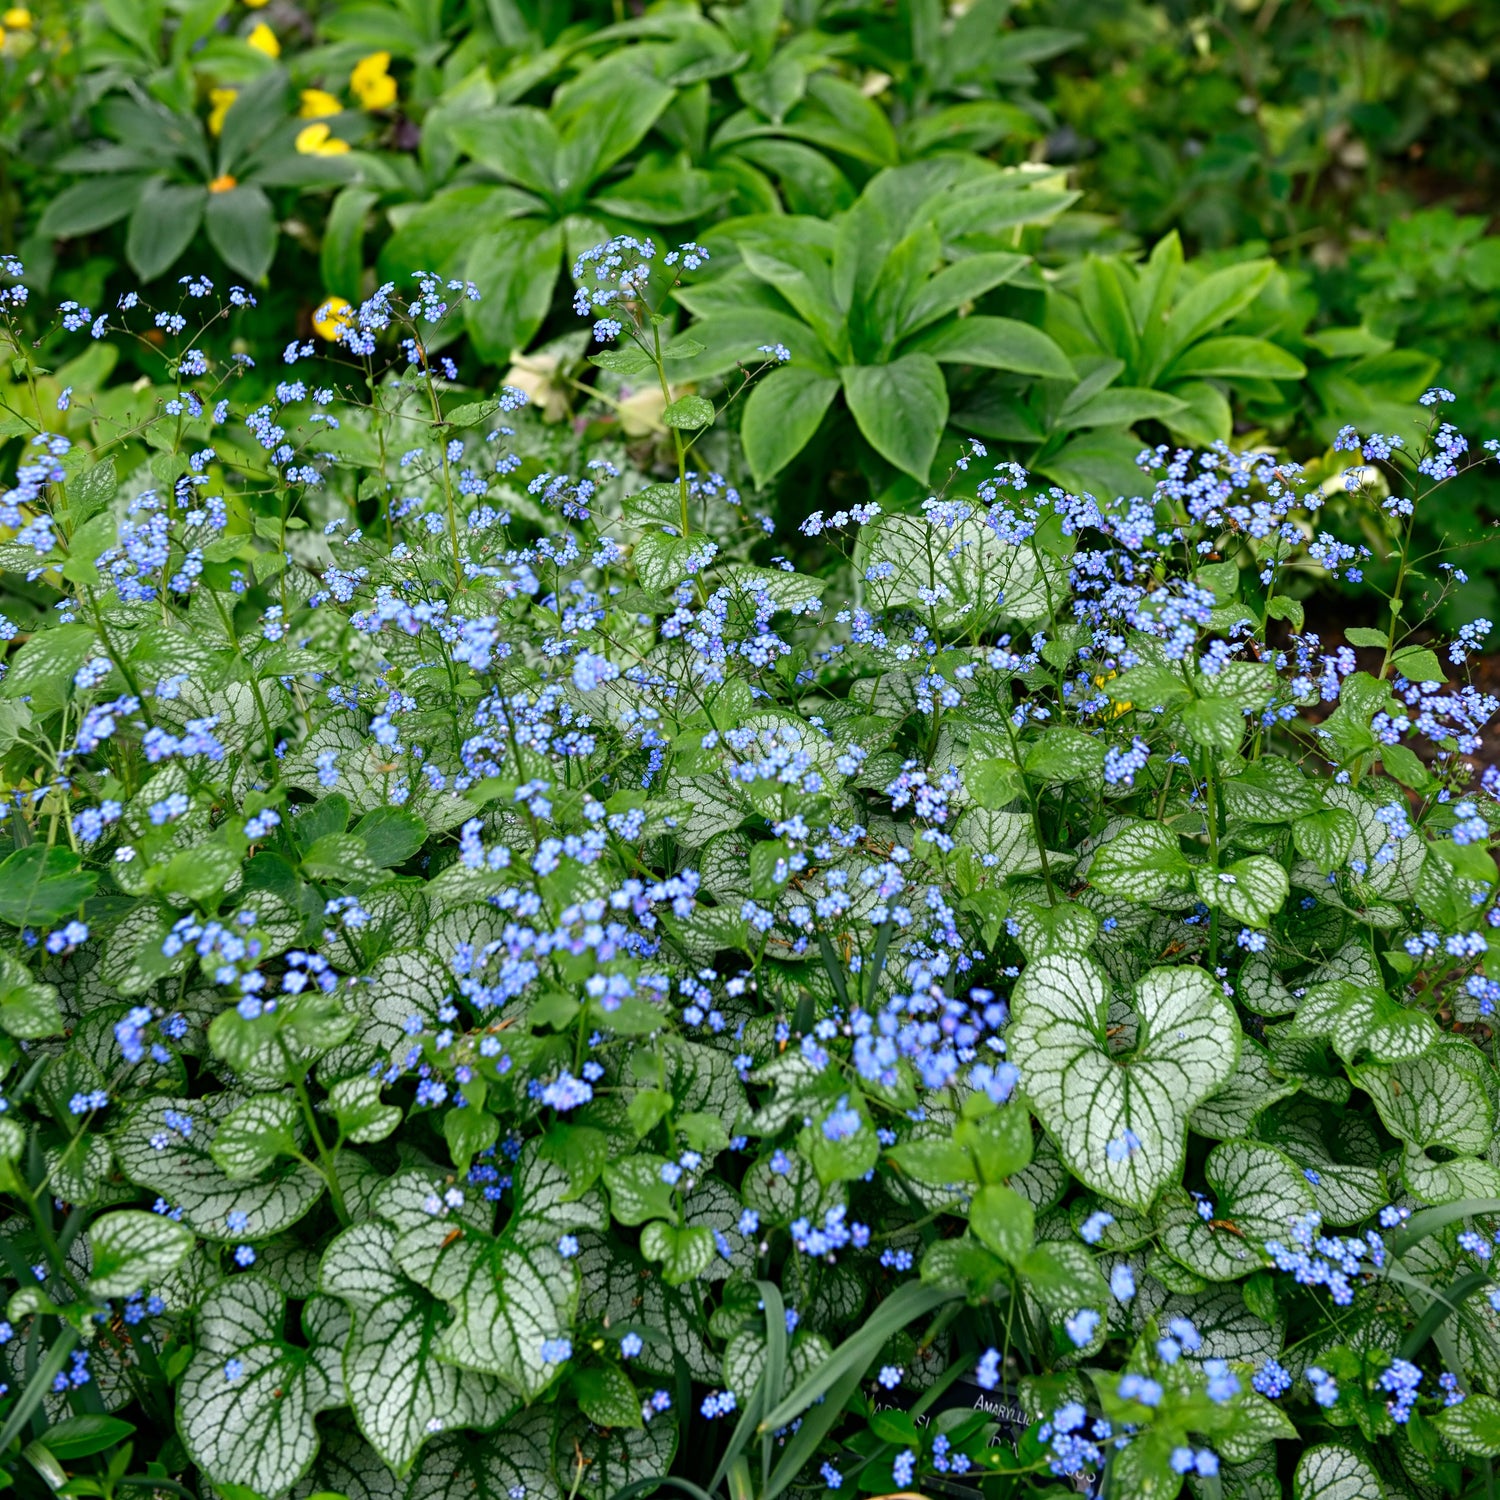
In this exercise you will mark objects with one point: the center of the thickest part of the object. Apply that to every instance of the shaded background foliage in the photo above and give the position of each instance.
(1351, 146)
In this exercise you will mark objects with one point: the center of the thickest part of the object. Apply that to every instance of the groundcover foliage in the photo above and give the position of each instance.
(512, 986)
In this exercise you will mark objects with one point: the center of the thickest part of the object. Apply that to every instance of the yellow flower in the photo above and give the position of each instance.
(332, 314)
(18, 18)
(372, 83)
(263, 39)
(224, 184)
(255, 4)
(219, 101)
(316, 104)
(319, 140)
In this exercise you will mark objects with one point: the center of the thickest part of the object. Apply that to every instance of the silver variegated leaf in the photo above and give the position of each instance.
(1333, 1472)
(507, 1298)
(408, 983)
(131, 1249)
(514, 1462)
(1357, 1021)
(545, 1206)
(155, 1155)
(1257, 1194)
(1230, 1330)
(1120, 1124)
(1440, 1099)
(400, 1391)
(247, 1401)
(600, 1462)
(1253, 1087)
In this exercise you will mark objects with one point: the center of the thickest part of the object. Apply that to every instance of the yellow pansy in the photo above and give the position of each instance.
(18, 18)
(263, 39)
(332, 314)
(219, 101)
(316, 103)
(372, 83)
(255, 4)
(318, 140)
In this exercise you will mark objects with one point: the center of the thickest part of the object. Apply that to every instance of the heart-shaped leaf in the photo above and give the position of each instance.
(1120, 1121)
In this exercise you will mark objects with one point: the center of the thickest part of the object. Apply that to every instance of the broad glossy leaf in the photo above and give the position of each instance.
(994, 344)
(783, 412)
(1120, 1122)
(901, 408)
(41, 884)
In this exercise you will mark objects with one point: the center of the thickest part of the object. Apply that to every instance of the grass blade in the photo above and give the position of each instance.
(907, 1302)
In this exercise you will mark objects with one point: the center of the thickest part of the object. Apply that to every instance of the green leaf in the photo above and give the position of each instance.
(685, 1252)
(83, 1436)
(241, 226)
(607, 1397)
(1473, 1426)
(91, 205)
(1004, 1221)
(995, 344)
(1061, 1275)
(935, 1160)
(341, 258)
(628, 359)
(1419, 664)
(400, 1390)
(1333, 1472)
(1064, 754)
(256, 1429)
(1234, 356)
(28, 1010)
(132, 1250)
(39, 885)
(1215, 723)
(162, 225)
(1142, 863)
(689, 413)
(783, 412)
(901, 408)
(1119, 1123)
(1363, 635)
(516, 267)
(391, 835)
(1148, 687)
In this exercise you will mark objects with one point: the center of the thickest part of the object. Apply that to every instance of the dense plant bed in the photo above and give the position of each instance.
(522, 979)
